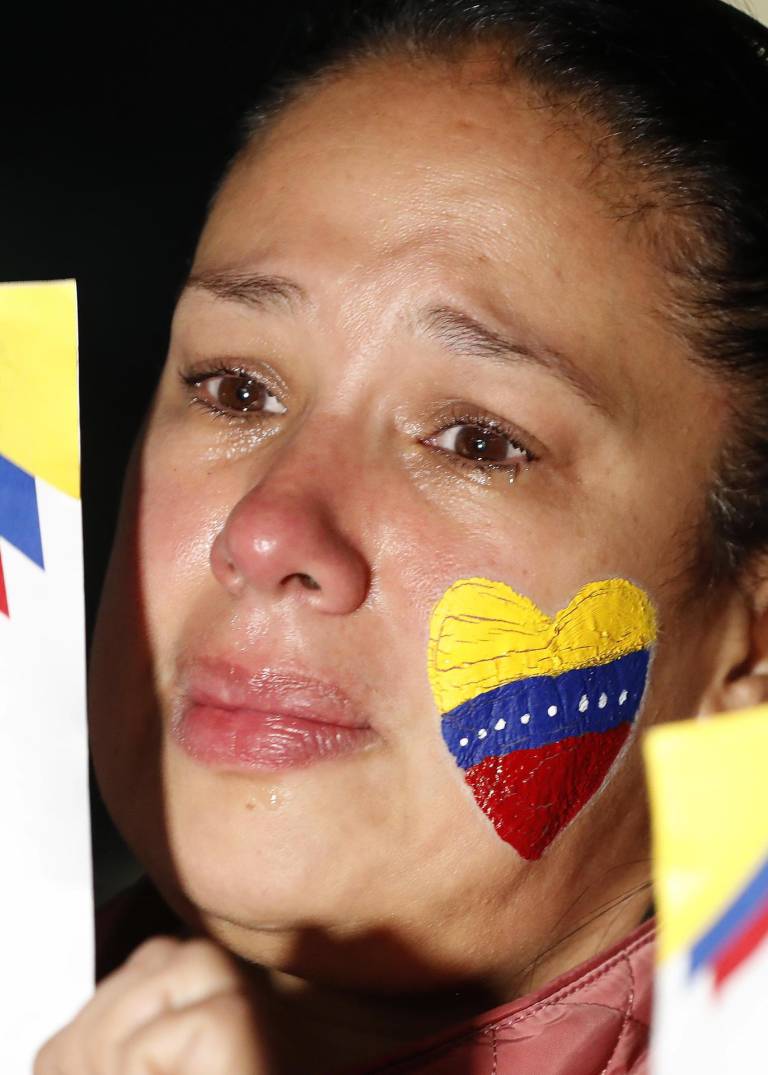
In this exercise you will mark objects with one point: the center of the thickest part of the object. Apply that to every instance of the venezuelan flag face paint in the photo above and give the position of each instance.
(536, 709)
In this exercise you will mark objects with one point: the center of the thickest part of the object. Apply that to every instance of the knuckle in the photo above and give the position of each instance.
(45, 1060)
(52, 1057)
(227, 1010)
(207, 958)
(154, 952)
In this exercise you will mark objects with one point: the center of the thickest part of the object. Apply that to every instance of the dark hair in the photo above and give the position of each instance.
(681, 88)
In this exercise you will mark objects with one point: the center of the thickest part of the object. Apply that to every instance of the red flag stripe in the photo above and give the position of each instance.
(742, 946)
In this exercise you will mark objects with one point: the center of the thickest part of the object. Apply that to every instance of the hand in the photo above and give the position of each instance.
(174, 1008)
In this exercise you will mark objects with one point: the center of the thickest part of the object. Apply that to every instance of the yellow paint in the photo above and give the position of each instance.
(709, 798)
(484, 635)
(39, 428)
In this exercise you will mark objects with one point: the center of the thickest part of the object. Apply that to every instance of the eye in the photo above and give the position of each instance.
(241, 393)
(232, 392)
(481, 443)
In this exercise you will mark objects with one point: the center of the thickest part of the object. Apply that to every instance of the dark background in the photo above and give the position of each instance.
(115, 129)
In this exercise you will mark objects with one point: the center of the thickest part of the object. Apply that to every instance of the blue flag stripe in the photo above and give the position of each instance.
(533, 712)
(19, 518)
(747, 903)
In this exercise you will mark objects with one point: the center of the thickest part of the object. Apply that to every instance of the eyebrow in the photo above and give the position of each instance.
(465, 335)
(248, 288)
(458, 330)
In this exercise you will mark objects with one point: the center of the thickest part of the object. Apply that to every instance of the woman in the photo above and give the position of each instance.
(454, 482)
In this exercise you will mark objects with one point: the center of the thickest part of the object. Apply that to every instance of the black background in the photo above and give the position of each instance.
(115, 129)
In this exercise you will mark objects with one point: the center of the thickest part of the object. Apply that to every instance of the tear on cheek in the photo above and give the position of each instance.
(535, 709)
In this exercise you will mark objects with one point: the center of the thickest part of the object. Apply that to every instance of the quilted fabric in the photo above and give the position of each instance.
(593, 1021)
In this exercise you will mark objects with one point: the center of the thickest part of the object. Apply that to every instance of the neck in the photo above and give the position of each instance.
(317, 1027)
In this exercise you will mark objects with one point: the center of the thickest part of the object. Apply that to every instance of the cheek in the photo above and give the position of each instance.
(177, 521)
(535, 710)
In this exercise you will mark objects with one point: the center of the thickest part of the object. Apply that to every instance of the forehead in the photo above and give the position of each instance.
(442, 148)
(396, 179)
(437, 168)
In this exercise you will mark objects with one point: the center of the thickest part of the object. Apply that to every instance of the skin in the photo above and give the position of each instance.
(361, 880)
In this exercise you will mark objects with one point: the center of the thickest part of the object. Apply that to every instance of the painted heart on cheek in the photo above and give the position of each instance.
(535, 709)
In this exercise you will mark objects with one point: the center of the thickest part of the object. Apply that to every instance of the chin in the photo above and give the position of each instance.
(240, 850)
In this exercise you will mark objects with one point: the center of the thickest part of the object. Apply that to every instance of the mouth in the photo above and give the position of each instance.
(264, 720)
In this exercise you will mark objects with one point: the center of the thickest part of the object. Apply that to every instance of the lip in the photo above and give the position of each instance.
(264, 719)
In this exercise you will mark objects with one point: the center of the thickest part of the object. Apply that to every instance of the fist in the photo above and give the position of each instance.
(174, 1008)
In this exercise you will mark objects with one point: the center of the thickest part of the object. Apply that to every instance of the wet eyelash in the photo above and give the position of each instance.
(192, 377)
(486, 424)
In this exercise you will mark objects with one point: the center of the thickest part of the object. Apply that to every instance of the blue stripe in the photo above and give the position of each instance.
(19, 519)
(744, 907)
(498, 712)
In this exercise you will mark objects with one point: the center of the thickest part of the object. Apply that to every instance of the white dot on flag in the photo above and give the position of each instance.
(552, 711)
(602, 701)
(500, 725)
(482, 733)
(463, 742)
(623, 697)
(525, 718)
(583, 704)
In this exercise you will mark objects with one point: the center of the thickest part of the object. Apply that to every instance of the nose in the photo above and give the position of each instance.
(281, 544)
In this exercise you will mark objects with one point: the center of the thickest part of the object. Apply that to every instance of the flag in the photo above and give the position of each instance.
(709, 797)
(46, 893)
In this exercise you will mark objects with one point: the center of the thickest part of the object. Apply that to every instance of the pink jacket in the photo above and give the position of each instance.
(592, 1021)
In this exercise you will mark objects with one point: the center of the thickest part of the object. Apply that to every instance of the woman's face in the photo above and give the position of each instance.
(420, 344)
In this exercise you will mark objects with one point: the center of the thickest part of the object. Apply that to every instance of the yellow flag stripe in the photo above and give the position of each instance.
(39, 428)
(709, 799)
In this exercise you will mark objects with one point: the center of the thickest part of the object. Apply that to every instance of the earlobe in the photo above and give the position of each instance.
(745, 680)
(745, 692)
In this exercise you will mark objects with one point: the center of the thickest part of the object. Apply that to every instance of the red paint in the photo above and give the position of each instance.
(3, 595)
(741, 947)
(531, 795)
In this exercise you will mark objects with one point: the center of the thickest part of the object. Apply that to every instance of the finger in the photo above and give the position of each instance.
(53, 1058)
(148, 959)
(163, 975)
(219, 1036)
(151, 955)
(196, 971)
(64, 1052)
(82, 1046)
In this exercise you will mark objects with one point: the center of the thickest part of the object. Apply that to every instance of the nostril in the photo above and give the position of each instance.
(305, 580)
(233, 577)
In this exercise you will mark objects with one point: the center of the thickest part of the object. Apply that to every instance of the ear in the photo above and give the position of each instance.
(742, 681)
